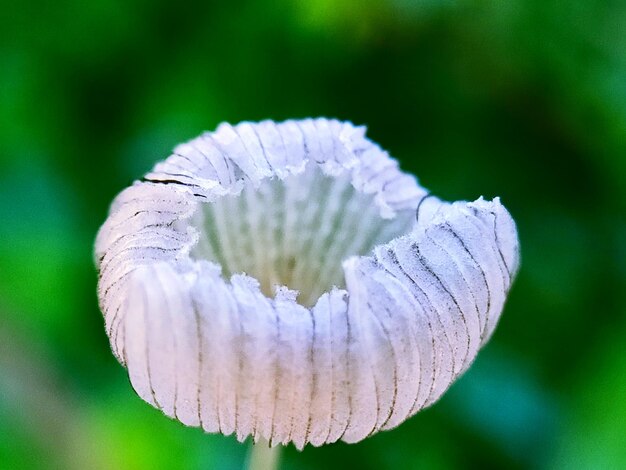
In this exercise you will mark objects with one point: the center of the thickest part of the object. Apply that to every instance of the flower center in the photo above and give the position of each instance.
(294, 232)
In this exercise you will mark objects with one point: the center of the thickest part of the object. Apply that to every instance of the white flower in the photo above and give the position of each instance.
(383, 294)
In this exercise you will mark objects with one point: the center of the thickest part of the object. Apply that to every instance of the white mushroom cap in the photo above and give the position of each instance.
(289, 282)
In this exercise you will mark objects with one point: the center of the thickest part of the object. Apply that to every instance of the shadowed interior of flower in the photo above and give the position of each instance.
(294, 232)
(398, 290)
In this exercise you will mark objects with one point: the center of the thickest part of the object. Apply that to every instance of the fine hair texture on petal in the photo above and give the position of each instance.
(287, 281)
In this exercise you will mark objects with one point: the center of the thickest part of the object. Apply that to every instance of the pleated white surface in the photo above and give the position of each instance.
(198, 263)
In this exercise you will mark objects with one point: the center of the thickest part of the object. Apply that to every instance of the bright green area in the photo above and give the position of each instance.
(525, 99)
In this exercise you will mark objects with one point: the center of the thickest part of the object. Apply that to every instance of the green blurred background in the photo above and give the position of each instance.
(522, 99)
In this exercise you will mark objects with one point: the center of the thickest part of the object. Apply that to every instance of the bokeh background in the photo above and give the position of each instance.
(525, 99)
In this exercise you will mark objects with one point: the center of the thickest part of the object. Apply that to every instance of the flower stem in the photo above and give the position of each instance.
(263, 457)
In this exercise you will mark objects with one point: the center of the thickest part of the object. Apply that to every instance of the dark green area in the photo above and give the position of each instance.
(525, 99)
